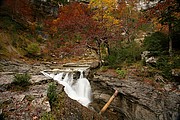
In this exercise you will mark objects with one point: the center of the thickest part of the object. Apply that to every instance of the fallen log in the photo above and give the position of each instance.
(109, 102)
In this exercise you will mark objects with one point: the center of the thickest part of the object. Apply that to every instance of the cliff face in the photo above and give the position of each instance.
(136, 100)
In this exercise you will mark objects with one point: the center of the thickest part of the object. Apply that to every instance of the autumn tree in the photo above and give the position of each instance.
(165, 12)
(132, 21)
(107, 23)
(72, 27)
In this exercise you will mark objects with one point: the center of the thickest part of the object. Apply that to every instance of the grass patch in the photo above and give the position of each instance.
(103, 68)
(33, 50)
(121, 73)
(22, 79)
(20, 82)
(48, 116)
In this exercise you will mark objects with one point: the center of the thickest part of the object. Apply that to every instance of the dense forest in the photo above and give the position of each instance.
(55, 52)
(116, 31)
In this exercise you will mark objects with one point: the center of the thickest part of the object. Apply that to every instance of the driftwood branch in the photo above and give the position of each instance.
(109, 102)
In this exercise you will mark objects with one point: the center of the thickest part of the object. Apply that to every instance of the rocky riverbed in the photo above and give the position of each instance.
(32, 103)
(135, 101)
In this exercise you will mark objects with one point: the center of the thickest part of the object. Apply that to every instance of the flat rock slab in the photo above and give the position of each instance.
(25, 104)
(6, 78)
(38, 79)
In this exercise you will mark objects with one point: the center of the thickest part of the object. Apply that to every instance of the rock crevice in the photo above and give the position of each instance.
(136, 100)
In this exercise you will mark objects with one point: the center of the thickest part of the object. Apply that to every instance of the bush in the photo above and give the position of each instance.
(121, 73)
(103, 68)
(33, 49)
(176, 62)
(112, 60)
(157, 43)
(52, 94)
(48, 116)
(128, 54)
(22, 79)
(164, 65)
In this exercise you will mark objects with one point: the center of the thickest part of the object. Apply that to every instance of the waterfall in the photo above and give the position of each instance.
(81, 73)
(58, 77)
(79, 90)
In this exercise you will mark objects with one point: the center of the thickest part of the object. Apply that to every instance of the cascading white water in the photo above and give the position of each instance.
(58, 77)
(79, 89)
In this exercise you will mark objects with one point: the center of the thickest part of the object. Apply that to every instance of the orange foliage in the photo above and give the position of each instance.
(72, 18)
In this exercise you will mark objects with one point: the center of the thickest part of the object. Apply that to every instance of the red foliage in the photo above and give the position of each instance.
(74, 17)
(165, 12)
(73, 20)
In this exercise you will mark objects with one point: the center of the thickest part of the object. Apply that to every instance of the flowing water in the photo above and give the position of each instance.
(77, 89)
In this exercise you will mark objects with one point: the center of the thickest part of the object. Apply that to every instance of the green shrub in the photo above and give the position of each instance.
(162, 62)
(103, 68)
(22, 79)
(52, 94)
(157, 43)
(121, 73)
(47, 116)
(176, 62)
(113, 59)
(127, 54)
(33, 49)
(165, 66)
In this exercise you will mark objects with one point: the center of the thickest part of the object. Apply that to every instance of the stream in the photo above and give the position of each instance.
(77, 89)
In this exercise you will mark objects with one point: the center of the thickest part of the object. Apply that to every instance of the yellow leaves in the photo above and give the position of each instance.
(111, 19)
(106, 5)
(104, 11)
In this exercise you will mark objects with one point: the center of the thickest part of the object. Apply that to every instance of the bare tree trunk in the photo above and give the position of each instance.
(99, 53)
(170, 46)
(170, 34)
(170, 39)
